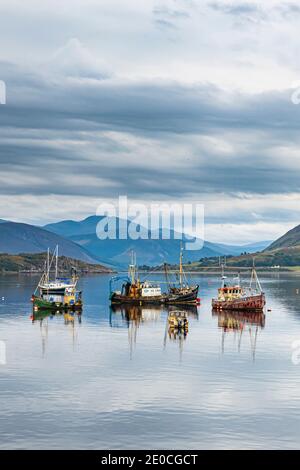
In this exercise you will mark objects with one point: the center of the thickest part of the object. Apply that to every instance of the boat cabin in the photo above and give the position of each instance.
(150, 290)
(230, 292)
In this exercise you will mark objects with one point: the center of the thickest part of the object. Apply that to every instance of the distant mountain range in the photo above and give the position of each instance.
(149, 252)
(18, 238)
(78, 240)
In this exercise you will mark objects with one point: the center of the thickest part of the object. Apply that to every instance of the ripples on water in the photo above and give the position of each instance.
(119, 380)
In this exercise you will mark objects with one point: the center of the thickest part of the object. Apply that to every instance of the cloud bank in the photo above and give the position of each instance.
(140, 103)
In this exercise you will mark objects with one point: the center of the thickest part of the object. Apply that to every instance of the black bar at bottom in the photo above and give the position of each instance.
(139, 458)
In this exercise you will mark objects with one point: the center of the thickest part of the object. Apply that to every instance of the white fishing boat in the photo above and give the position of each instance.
(57, 292)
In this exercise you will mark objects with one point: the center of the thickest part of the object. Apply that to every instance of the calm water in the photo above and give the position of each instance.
(117, 380)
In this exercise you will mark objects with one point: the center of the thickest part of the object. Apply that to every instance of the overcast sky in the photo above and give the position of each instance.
(160, 100)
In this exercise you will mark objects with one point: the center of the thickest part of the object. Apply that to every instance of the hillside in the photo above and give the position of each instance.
(289, 239)
(149, 252)
(36, 262)
(281, 257)
(24, 238)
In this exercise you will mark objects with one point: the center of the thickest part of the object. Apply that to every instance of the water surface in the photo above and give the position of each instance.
(111, 380)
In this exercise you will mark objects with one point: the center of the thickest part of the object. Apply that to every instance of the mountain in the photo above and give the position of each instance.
(149, 252)
(24, 238)
(289, 239)
(117, 251)
(68, 228)
(36, 263)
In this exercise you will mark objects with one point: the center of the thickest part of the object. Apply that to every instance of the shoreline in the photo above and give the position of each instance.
(229, 270)
(38, 273)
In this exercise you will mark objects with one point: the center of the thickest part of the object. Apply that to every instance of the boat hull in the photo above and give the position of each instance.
(119, 299)
(189, 296)
(42, 304)
(254, 303)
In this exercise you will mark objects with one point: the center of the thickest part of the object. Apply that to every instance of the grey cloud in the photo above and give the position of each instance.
(164, 12)
(169, 18)
(159, 106)
(289, 10)
(165, 24)
(250, 12)
(77, 128)
(234, 9)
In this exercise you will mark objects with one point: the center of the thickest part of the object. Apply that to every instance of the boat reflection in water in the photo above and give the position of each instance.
(126, 314)
(69, 317)
(177, 327)
(240, 323)
(133, 316)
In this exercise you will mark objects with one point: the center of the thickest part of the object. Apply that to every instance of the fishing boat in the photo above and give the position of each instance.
(177, 328)
(182, 293)
(178, 320)
(135, 291)
(58, 293)
(235, 297)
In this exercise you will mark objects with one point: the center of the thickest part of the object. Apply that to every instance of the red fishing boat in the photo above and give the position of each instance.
(236, 297)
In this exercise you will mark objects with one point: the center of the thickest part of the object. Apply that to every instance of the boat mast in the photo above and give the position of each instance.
(56, 263)
(48, 264)
(180, 265)
(254, 278)
(132, 268)
(223, 277)
(167, 274)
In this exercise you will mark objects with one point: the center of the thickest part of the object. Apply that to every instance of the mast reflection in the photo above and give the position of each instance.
(239, 323)
(70, 318)
(133, 316)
